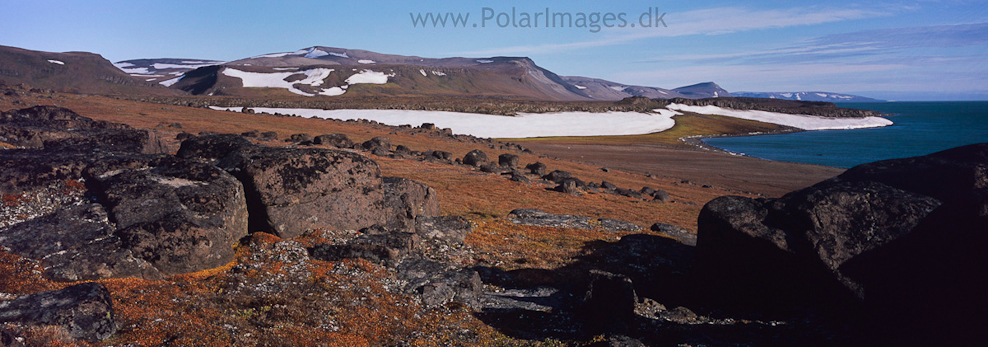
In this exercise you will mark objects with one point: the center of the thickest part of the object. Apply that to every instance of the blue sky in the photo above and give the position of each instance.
(901, 50)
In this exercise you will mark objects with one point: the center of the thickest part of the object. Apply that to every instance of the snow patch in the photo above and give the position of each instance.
(801, 121)
(579, 86)
(438, 73)
(617, 88)
(366, 61)
(422, 71)
(822, 95)
(53, 61)
(368, 76)
(162, 66)
(272, 55)
(136, 70)
(169, 83)
(520, 126)
(123, 65)
(315, 53)
(285, 68)
(341, 55)
(788, 95)
(313, 77)
(484, 61)
(333, 91)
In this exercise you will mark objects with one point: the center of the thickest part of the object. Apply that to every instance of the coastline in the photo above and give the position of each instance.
(696, 141)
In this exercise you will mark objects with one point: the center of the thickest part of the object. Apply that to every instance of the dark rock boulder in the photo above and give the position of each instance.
(518, 176)
(77, 243)
(402, 151)
(453, 229)
(647, 191)
(508, 160)
(299, 138)
(660, 196)
(675, 232)
(84, 310)
(942, 175)
(618, 341)
(536, 168)
(290, 190)
(268, 136)
(557, 176)
(628, 192)
(380, 142)
(438, 156)
(475, 158)
(616, 225)
(335, 140)
(902, 239)
(56, 129)
(609, 303)
(608, 185)
(213, 147)
(179, 215)
(407, 199)
(569, 186)
(375, 245)
(492, 168)
(439, 284)
(542, 218)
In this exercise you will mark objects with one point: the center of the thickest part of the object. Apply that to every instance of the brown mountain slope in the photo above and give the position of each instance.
(72, 72)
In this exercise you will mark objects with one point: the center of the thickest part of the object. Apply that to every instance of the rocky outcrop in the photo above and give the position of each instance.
(84, 310)
(293, 190)
(541, 218)
(133, 214)
(179, 215)
(897, 238)
(56, 128)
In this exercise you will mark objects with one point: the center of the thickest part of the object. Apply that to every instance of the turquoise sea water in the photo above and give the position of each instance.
(920, 128)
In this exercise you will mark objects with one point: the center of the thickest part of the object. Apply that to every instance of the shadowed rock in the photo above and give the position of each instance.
(901, 238)
(84, 310)
(609, 303)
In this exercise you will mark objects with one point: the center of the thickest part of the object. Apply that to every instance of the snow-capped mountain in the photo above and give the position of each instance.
(163, 71)
(807, 96)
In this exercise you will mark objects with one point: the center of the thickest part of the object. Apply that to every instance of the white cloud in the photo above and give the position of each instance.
(715, 21)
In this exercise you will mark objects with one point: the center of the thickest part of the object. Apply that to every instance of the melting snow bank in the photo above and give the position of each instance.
(800, 121)
(520, 126)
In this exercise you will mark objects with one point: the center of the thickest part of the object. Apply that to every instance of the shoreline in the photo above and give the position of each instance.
(696, 141)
